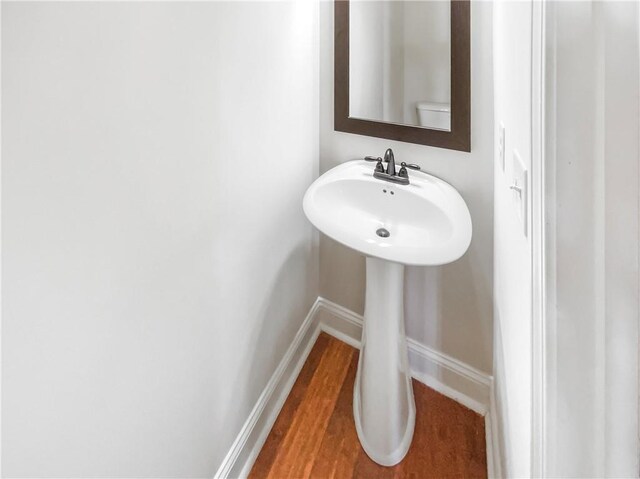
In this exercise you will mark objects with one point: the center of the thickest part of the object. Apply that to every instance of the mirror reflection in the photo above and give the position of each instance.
(400, 62)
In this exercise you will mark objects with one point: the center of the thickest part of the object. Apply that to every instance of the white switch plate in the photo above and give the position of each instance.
(501, 145)
(520, 189)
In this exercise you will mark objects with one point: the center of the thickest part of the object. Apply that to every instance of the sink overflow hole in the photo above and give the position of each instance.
(383, 233)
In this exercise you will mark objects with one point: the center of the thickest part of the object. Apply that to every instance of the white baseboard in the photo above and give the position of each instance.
(450, 377)
(339, 322)
(447, 375)
(492, 430)
(244, 450)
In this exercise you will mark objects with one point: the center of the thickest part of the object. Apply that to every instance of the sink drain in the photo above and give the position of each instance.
(383, 233)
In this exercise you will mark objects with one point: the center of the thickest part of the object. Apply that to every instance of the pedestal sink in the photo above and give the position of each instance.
(424, 223)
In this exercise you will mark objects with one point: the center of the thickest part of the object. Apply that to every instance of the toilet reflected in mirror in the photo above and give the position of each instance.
(435, 116)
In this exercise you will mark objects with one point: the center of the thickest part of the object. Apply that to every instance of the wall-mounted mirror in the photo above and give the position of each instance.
(402, 70)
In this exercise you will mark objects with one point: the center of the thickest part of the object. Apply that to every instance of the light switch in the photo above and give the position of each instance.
(501, 145)
(520, 189)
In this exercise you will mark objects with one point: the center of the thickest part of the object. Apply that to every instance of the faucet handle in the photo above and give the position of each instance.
(403, 170)
(379, 166)
(410, 166)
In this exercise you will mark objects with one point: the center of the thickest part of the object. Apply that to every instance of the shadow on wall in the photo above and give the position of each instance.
(278, 318)
(439, 303)
(342, 275)
(425, 297)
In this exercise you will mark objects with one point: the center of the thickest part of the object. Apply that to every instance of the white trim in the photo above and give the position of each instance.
(452, 364)
(538, 300)
(446, 375)
(339, 322)
(493, 439)
(477, 401)
(254, 432)
(1, 309)
(336, 333)
(493, 460)
(341, 312)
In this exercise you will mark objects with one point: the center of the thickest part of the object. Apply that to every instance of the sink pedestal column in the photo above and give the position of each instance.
(383, 404)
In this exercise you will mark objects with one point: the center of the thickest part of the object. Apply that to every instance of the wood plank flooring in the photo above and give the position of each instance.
(315, 436)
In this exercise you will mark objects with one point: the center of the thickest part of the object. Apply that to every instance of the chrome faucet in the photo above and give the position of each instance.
(401, 177)
(388, 158)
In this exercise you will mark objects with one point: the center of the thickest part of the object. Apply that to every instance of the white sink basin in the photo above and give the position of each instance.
(424, 223)
(428, 221)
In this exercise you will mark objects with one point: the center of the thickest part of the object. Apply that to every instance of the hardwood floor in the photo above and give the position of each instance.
(315, 437)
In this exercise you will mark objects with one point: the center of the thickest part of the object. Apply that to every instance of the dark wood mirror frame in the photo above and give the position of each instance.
(459, 138)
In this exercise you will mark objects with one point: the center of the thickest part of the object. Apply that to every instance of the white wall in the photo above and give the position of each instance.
(156, 259)
(447, 308)
(591, 224)
(512, 249)
(594, 239)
